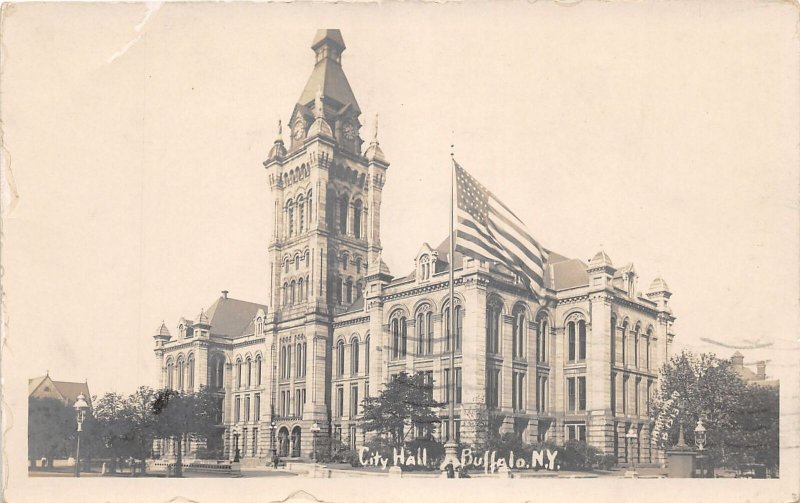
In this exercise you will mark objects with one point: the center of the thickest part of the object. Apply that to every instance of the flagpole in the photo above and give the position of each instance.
(451, 447)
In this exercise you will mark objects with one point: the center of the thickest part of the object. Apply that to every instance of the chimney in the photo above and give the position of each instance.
(761, 370)
(224, 294)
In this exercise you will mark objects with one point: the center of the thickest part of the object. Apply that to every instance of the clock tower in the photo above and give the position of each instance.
(326, 231)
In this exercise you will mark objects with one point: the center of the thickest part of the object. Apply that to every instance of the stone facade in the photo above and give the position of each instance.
(579, 362)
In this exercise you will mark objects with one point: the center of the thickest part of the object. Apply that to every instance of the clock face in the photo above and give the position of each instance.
(299, 131)
(349, 130)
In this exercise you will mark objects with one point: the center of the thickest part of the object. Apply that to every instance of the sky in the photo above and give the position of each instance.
(135, 135)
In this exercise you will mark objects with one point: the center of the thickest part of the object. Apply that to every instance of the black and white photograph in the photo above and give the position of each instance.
(342, 252)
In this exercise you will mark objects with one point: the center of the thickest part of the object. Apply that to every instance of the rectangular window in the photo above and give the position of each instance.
(582, 393)
(236, 409)
(247, 408)
(636, 390)
(298, 403)
(339, 401)
(427, 378)
(492, 388)
(649, 395)
(514, 391)
(458, 384)
(255, 442)
(613, 393)
(576, 431)
(517, 391)
(257, 407)
(354, 401)
(570, 394)
(447, 386)
(625, 395)
(352, 438)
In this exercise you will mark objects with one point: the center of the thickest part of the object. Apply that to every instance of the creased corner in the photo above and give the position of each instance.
(152, 7)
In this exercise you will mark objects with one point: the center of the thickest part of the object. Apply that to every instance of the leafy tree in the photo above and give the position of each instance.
(51, 428)
(756, 432)
(692, 387)
(404, 402)
(112, 427)
(178, 415)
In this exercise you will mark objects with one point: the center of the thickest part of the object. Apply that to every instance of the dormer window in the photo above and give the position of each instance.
(631, 280)
(189, 332)
(425, 268)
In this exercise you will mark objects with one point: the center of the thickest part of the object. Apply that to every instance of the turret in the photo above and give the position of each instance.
(162, 336)
(601, 270)
(659, 293)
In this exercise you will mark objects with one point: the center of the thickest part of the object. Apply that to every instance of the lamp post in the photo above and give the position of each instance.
(80, 412)
(700, 442)
(314, 431)
(631, 435)
(272, 438)
(235, 446)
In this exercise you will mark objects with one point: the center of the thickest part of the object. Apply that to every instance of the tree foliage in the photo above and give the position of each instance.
(692, 387)
(404, 402)
(51, 428)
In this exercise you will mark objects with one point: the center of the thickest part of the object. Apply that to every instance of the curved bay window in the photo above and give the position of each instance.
(493, 312)
(399, 337)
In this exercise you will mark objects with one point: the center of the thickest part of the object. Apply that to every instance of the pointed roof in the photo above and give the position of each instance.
(659, 285)
(332, 36)
(163, 331)
(328, 75)
(231, 317)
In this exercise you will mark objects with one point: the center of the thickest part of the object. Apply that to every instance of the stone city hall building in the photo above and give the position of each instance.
(579, 363)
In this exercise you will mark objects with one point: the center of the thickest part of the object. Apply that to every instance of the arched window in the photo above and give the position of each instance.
(286, 265)
(283, 362)
(344, 205)
(354, 357)
(258, 370)
(340, 358)
(310, 208)
(357, 219)
(306, 258)
(300, 295)
(292, 292)
(613, 340)
(217, 372)
(239, 373)
(249, 371)
(359, 289)
(190, 371)
(296, 261)
(338, 291)
(299, 359)
(647, 348)
(636, 346)
(290, 216)
(399, 337)
(459, 321)
(421, 333)
(308, 287)
(301, 215)
(518, 333)
(429, 332)
(366, 355)
(349, 290)
(582, 340)
(330, 204)
(170, 369)
(541, 339)
(358, 265)
(493, 312)
(285, 294)
(305, 353)
(289, 362)
(345, 260)
(180, 374)
(625, 342)
(424, 268)
(571, 341)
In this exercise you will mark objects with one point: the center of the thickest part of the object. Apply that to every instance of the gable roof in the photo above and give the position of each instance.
(231, 317)
(71, 390)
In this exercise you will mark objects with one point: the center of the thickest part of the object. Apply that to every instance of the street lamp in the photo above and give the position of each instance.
(235, 446)
(314, 431)
(700, 442)
(700, 435)
(631, 435)
(272, 438)
(80, 407)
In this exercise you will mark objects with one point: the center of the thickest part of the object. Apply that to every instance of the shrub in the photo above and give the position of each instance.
(434, 453)
(578, 455)
(607, 461)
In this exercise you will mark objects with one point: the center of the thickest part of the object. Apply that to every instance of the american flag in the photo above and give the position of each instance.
(486, 228)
